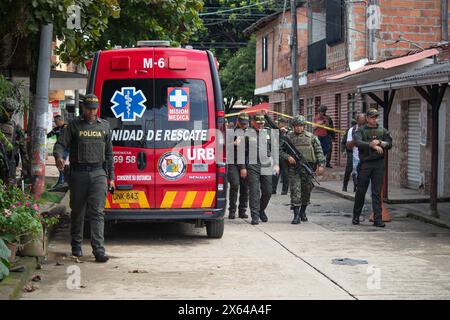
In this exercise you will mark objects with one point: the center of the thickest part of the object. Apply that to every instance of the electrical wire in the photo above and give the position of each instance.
(234, 9)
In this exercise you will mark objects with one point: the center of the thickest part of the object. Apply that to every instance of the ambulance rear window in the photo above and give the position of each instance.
(161, 113)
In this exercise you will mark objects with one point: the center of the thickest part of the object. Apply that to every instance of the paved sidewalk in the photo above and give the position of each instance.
(396, 195)
(398, 198)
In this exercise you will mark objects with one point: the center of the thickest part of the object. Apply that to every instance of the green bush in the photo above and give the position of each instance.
(20, 216)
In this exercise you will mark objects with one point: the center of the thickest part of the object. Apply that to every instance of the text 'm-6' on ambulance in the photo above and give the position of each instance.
(165, 109)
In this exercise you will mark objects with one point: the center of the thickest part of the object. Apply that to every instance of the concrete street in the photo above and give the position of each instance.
(408, 259)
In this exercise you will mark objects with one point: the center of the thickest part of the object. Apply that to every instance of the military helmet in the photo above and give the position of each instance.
(90, 101)
(299, 121)
(372, 112)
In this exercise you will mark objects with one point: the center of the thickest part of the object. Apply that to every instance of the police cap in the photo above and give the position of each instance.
(372, 112)
(259, 118)
(243, 118)
(283, 120)
(90, 101)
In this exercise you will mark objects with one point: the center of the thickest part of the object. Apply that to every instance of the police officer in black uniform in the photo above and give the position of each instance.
(260, 167)
(237, 172)
(88, 139)
(372, 141)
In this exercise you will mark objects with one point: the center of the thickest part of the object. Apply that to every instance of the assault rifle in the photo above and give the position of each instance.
(291, 150)
(300, 160)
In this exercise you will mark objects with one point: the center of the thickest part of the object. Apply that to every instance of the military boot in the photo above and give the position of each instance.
(77, 252)
(232, 215)
(263, 216)
(242, 214)
(296, 215)
(255, 219)
(303, 213)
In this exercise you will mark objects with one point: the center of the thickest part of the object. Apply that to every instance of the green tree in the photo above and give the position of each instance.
(238, 77)
(224, 21)
(174, 20)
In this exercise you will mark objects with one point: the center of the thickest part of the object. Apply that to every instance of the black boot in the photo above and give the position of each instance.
(355, 219)
(255, 219)
(242, 214)
(303, 213)
(263, 216)
(296, 215)
(232, 215)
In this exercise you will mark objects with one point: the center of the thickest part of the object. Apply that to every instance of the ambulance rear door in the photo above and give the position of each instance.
(125, 85)
(185, 146)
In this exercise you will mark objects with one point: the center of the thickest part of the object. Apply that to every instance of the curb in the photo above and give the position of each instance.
(428, 219)
(11, 287)
(339, 194)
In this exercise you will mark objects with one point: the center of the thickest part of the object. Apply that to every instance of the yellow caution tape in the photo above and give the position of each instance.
(290, 117)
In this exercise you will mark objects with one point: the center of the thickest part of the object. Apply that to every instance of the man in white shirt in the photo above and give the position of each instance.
(360, 121)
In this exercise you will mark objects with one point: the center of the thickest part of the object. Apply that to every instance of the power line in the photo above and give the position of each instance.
(234, 9)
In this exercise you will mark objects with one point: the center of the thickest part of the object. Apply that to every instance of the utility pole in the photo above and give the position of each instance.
(39, 127)
(294, 48)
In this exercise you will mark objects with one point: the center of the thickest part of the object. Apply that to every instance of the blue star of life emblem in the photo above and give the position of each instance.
(128, 104)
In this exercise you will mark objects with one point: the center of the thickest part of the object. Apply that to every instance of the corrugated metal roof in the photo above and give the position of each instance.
(431, 70)
(388, 64)
(428, 75)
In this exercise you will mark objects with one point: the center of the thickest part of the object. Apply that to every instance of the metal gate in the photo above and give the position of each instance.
(414, 144)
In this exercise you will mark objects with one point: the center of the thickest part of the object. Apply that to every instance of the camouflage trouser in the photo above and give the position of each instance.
(301, 186)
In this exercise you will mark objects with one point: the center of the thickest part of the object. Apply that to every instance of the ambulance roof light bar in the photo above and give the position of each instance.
(153, 43)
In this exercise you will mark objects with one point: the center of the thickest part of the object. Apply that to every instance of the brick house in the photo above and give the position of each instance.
(341, 46)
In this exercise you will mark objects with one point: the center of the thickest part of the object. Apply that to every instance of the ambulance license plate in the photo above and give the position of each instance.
(125, 197)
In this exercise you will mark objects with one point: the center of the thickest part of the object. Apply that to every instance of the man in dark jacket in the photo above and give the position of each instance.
(372, 141)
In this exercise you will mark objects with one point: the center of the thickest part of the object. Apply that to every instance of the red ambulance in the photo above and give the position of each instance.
(166, 113)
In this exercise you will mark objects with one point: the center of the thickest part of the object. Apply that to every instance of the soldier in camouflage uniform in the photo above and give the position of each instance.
(88, 139)
(12, 140)
(299, 181)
